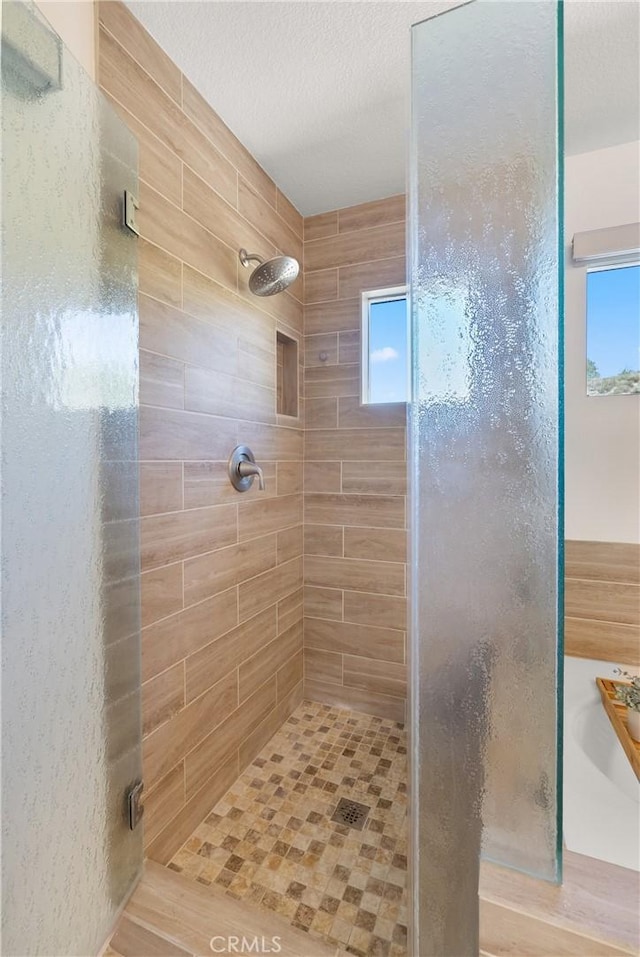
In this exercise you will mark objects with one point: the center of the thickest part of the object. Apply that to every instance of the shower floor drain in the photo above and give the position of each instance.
(351, 814)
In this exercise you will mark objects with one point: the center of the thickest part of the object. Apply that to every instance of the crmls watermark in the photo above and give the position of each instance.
(245, 945)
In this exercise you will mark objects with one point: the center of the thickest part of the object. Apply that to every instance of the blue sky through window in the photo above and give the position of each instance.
(613, 321)
(388, 371)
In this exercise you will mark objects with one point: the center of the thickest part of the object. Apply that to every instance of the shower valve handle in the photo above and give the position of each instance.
(249, 469)
(243, 469)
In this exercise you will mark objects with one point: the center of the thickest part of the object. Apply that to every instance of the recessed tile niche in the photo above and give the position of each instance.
(287, 376)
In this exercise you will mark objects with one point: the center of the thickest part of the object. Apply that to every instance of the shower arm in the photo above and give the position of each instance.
(246, 258)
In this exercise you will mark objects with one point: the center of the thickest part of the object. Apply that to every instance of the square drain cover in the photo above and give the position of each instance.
(351, 814)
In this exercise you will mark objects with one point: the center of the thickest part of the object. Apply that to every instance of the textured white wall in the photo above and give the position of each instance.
(602, 433)
(74, 22)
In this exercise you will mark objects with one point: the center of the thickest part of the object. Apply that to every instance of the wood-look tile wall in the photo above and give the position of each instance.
(221, 572)
(355, 540)
(602, 601)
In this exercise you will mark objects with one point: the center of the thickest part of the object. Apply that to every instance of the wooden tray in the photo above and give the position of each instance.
(618, 718)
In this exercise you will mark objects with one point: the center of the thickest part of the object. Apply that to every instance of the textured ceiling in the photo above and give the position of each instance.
(318, 91)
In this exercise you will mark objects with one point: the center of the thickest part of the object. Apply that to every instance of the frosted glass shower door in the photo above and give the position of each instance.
(70, 557)
(485, 205)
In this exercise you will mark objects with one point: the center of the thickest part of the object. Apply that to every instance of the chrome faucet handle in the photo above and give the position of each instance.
(247, 469)
(243, 469)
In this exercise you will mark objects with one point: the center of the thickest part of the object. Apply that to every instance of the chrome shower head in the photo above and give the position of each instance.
(271, 275)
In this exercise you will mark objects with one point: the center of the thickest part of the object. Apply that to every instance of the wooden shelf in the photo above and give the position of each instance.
(618, 718)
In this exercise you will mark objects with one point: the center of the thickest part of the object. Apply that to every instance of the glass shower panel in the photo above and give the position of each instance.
(70, 556)
(485, 454)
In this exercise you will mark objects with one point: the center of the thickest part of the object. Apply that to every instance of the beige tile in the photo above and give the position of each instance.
(317, 227)
(269, 587)
(179, 535)
(262, 214)
(378, 511)
(603, 640)
(222, 742)
(353, 698)
(602, 561)
(221, 569)
(196, 107)
(348, 638)
(171, 332)
(271, 515)
(376, 544)
(323, 665)
(377, 677)
(364, 245)
(332, 380)
(207, 483)
(228, 651)
(254, 671)
(504, 931)
(160, 487)
(322, 602)
(161, 381)
(290, 544)
(173, 434)
(161, 593)
(253, 329)
(355, 445)
(290, 214)
(378, 213)
(290, 610)
(352, 415)
(159, 274)
(349, 350)
(324, 540)
(165, 844)
(322, 476)
(168, 744)
(167, 226)
(168, 641)
(163, 802)
(123, 78)
(320, 286)
(380, 578)
(321, 318)
(271, 443)
(228, 395)
(384, 611)
(353, 280)
(162, 697)
(321, 413)
(289, 480)
(140, 45)
(221, 218)
(321, 351)
(157, 165)
(375, 478)
(132, 939)
(290, 675)
(603, 601)
(168, 894)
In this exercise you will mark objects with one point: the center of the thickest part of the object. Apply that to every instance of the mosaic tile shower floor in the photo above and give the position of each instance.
(270, 839)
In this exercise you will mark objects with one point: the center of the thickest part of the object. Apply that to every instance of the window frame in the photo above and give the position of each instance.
(605, 264)
(369, 296)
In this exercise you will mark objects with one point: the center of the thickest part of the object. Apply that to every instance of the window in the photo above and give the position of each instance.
(613, 330)
(385, 346)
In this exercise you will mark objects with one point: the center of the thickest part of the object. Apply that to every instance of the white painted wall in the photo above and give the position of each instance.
(602, 457)
(74, 22)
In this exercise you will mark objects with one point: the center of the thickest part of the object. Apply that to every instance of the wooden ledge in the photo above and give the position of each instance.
(594, 912)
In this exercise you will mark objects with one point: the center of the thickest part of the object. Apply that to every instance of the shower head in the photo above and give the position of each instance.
(271, 275)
